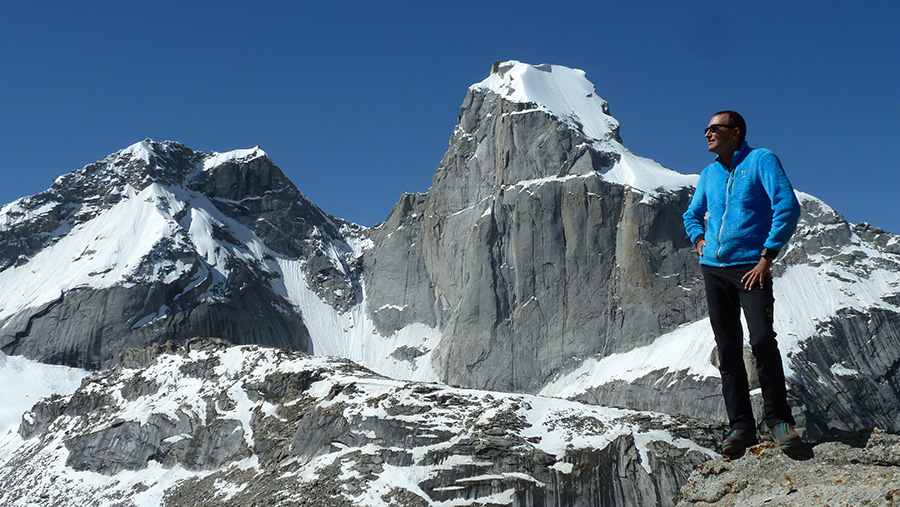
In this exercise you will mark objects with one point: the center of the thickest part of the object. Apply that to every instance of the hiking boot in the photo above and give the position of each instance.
(785, 436)
(738, 440)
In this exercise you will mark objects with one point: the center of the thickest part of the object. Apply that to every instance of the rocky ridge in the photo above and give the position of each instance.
(209, 423)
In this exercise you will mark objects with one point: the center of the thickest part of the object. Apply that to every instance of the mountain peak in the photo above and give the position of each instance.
(563, 92)
(148, 161)
(567, 95)
(146, 150)
(140, 150)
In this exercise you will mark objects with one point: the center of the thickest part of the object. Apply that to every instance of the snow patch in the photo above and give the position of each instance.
(25, 382)
(687, 349)
(116, 248)
(647, 176)
(138, 151)
(839, 370)
(861, 286)
(567, 95)
(352, 334)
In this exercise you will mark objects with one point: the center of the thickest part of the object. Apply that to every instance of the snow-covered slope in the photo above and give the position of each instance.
(352, 334)
(115, 246)
(113, 242)
(563, 92)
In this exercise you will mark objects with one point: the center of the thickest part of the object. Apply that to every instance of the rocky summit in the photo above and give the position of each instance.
(546, 260)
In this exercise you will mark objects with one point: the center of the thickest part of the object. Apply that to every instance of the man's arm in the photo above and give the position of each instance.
(695, 216)
(785, 215)
(785, 207)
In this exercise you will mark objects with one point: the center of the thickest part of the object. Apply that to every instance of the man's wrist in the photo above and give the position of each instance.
(769, 253)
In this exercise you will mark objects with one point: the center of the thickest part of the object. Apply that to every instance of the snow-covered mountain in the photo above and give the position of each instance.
(158, 242)
(545, 259)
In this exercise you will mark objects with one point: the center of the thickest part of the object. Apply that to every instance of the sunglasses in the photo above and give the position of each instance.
(712, 129)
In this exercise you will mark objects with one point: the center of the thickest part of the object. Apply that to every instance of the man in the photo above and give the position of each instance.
(743, 213)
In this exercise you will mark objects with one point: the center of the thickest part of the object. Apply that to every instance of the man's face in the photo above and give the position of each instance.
(725, 140)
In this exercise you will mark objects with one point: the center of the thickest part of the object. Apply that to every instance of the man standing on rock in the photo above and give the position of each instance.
(752, 212)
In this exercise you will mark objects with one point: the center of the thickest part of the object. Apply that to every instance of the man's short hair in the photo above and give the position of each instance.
(736, 120)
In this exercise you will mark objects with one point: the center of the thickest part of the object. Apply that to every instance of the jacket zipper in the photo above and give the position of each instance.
(728, 183)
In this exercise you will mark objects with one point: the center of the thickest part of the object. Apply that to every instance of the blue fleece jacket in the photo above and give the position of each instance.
(751, 205)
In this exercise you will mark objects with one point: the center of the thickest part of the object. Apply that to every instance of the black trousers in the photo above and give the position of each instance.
(726, 295)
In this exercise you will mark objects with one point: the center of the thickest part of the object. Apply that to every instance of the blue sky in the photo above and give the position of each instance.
(356, 101)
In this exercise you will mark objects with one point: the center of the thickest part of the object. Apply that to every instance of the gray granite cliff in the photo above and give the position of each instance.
(526, 258)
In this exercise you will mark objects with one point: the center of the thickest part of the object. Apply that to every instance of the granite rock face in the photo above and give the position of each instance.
(244, 425)
(86, 328)
(398, 288)
(526, 258)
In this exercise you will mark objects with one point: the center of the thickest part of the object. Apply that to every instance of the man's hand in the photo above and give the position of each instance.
(757, 275)
(700, 245)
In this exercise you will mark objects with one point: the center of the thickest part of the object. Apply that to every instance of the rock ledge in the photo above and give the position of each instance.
(833, 474)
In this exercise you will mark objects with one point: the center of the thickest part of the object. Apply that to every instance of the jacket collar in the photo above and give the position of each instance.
(738, 156)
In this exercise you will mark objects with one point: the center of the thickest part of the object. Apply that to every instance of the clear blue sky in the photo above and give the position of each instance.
(356, 101)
